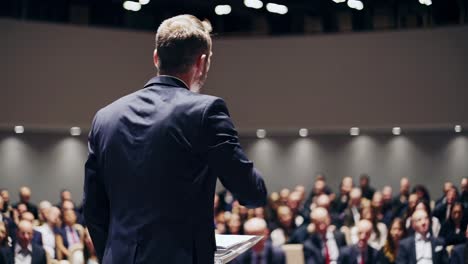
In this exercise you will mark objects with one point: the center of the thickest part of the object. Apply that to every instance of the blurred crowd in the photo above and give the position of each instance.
(356, 224)
(43, 233)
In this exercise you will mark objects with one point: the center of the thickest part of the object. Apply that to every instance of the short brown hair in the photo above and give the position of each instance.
(179, 41)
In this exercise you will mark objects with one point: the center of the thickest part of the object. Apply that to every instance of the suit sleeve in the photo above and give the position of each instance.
(402, 255)
(227, 160)
(455, 257)
(95, 200)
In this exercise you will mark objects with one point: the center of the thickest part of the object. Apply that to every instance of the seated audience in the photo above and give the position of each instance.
(284, 226)
(367, 190)
(460, 252)
(387, 255)
(400, 202)
(7, 209)
(263, 252)
(23, 250)
(68, 235)
(324, 242)
(442, 210)
(453, 230)
(422, 247)
(351, 214)
(443, 199)
(49, 230)
(341, 201)
(234, 225)
(37, 236)
(43, 207)
(25, 197)
(434, 224)
(361, 252)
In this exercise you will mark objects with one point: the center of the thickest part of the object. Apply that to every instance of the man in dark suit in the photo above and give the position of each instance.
(361, 253)
(459, 254)
(25, 197)
(324, 243)
(155, 155)
(421, 247)
(263, 252)
(366, 189)
(24, 250)
(442, 210)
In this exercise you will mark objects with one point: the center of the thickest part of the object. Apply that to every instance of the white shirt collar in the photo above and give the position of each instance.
(18, 248)
(419, 237)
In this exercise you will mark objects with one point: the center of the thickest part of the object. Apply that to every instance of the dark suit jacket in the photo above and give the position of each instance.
(273, 255)
(313, 247)
(38, 255)
(450, 236)
(150, 177)
(349, 255)
(459, 254)
(407, 251)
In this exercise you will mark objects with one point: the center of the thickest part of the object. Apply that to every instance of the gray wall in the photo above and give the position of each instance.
(49, 162)
(57, 76)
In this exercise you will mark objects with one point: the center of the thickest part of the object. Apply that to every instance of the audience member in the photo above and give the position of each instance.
(443, 209)
(400, 202)
(446, 187)
(263, 252)
(387, 255)
(68, 235)
(7, 209)
(460, 252)
(49, 230)
(25, 197)
(89, 252)
(341, 201)
(453, 230)
(351, 214)
(65, 195)
(367, 190)
(23, 250)
(361, 252)
(421, 247)
(234, 225)
(37, 236)
(284, 226)
(43, 207)
(464, 192)
(324, 241)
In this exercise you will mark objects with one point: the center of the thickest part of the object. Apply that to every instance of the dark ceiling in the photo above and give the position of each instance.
(303, 17)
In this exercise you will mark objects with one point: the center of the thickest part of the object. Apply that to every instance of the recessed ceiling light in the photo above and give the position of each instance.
(19, 129)
(458, 128)
(303, 132)
(354, 131)
(75, 131)
(261, 133)
(396, 131)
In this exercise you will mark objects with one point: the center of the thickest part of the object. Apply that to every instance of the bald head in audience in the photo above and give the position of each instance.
(321, 220)
(364, 229)
(346, 185)
(257, 227)
(25, 194)
(323, 201)
(24, 233)
(355, 197)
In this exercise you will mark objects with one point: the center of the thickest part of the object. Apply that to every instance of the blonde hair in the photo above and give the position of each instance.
(179, 41)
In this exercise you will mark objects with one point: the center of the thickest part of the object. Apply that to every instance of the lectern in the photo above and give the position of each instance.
(228, 247)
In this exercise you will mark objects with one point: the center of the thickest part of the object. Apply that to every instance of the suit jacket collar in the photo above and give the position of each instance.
(167, 80)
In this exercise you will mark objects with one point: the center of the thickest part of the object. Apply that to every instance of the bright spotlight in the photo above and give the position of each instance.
(132, 6)
(75, 131)
(303, 132)
(396, 131)
(261, 133)
(458, 128)
(222, 10)
(19, 129)
(257, 4)
(143, 2)
(354, 131)
(276, 8)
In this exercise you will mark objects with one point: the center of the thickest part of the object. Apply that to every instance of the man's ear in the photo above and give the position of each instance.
(201, 63)
(155, 58)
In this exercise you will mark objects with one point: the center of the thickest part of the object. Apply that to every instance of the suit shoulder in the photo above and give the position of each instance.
(406, 241)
